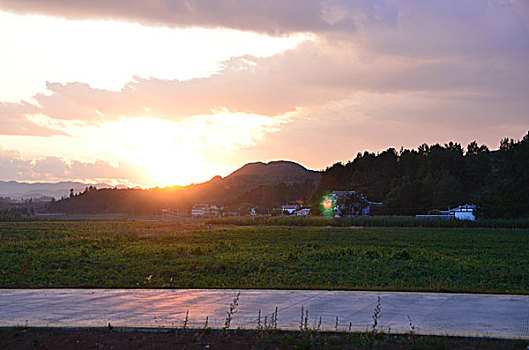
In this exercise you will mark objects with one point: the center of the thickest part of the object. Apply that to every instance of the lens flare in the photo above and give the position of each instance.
(327, 206)
(327, 203)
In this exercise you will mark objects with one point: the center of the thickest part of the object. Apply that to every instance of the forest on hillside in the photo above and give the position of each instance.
(434, 177)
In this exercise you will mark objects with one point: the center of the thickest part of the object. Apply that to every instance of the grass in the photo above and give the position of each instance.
(369, 221)
(188, 255)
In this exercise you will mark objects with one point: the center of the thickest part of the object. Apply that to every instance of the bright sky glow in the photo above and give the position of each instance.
(179, 153)
(171, 153)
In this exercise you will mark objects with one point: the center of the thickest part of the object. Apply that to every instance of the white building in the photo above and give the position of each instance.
(290, 209)
(204, 210)
(302, 212)
(464, 212)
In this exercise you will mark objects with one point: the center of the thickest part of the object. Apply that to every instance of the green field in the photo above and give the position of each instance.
(188, 255)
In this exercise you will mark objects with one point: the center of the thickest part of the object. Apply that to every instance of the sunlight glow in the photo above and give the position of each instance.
(162, 152)
(181, 153)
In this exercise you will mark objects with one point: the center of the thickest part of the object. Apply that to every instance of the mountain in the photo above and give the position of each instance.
(24, 190)
(265, 177)
(272, 173)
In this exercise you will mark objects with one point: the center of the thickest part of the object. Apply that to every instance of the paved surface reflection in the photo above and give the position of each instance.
(431, 313)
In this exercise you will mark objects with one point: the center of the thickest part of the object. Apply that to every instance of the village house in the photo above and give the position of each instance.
(302, 212)
(350, 203)
(462, 212)
(205, 210)
(289, 209)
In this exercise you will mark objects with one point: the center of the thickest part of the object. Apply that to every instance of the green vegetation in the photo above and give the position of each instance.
(369, 221)
(148, 254)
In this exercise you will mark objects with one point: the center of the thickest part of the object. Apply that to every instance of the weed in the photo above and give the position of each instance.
(376, 315)
(301, 320)
(230, 313)
(369, 338)
(34, 341)
(206, 326)
(274, 320)
(205, 330)
(186, 320)
(412, 326)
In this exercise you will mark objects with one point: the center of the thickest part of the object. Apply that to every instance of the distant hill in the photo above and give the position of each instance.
(273, 172)
(261, 185)
(24, 190)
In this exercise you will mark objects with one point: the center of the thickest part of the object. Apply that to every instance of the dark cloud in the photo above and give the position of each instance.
(272, 16)
(415, 27)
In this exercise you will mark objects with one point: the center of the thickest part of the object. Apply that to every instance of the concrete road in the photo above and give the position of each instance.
(500, 316)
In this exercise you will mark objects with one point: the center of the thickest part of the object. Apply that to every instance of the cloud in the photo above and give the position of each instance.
(14, 121)
(52, 169)
(402, 27)
(376, 46)
(440, 28)
(272, 17)
(12, 166)
(312, 75)
(523, 8)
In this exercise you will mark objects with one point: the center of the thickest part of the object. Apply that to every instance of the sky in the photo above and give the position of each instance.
(168, 92)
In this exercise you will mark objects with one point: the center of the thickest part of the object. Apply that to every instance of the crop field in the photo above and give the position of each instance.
(189, 255)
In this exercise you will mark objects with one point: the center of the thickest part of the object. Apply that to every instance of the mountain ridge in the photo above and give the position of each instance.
(19, 190)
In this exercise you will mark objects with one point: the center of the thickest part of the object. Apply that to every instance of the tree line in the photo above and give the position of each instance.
(413, 181)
